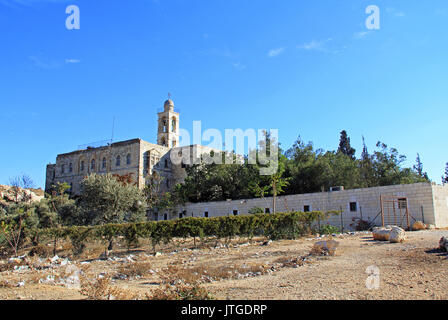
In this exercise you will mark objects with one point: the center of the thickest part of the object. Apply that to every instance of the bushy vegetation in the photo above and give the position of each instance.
(302, 169)
(274, 226)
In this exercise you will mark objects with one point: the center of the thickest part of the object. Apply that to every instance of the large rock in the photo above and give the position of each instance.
(397, 234)
(325, 248)
(443, 244)
(381, 233)
(418, 225)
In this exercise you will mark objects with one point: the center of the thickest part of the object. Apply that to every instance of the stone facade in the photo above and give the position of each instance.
(425, 201)
(136, 157)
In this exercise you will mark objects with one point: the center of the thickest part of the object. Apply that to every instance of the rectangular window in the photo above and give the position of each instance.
(267, 210)
(165, 217)
(353, 207)
(206, 214)
(235, 212)
(402, 203)
(306, 208)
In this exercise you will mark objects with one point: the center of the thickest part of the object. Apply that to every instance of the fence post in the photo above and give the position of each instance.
(342, 221)
(423, 215)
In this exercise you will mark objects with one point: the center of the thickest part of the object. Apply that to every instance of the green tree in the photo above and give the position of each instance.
(445, 178)
(344, 145)
(418, 167)
(105, 199)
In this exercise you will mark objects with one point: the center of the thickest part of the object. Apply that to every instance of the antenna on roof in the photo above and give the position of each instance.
(113, 128)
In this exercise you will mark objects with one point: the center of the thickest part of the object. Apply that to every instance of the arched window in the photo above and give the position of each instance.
(173, 125)
(163, 142)
(63, 168)
(118, 161)
(82, 166)
(164, 125)
(166, 164)
(92, 164)
(104, 163)
(128, 159)
(70, 168)
(174, 143)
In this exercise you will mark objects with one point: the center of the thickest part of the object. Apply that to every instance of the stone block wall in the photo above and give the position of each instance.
(368, 206)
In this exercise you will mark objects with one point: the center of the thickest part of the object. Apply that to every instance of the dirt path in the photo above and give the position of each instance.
(411, 270)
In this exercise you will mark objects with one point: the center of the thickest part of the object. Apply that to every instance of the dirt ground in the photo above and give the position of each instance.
(415, 269)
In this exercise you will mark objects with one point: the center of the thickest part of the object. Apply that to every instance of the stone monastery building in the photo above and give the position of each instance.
(136, 157)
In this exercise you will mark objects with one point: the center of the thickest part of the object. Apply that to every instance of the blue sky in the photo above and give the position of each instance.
(308, 68)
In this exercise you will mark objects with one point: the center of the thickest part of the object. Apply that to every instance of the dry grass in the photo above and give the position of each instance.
(180, 291)
(135, 269)
(101, 289)
(41, 251)
(324, 248)
(6, 284)
(207, 273)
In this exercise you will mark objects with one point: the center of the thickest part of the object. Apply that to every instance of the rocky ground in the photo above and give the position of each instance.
(360, 269)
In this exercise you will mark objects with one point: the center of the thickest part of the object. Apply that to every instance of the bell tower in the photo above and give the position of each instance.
(168, 126)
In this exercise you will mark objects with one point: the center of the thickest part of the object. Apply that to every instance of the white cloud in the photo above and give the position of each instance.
(238, 66)
(72, 61)
(361, 34)
(315, 45)
(275, 52)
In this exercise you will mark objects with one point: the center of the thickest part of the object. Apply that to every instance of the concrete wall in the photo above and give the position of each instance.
(440, 199)
(419, 195)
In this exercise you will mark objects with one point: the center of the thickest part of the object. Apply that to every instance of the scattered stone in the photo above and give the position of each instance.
(157, 254)
(266, 243)
(325, 248)
(15, 260)
(443, 244)
(121, 276)
(21, 284)
(65, 262)
(431, 227)
(397, 235)
(418, 225)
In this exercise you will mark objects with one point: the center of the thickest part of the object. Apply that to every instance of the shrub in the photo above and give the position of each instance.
(328, 229)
